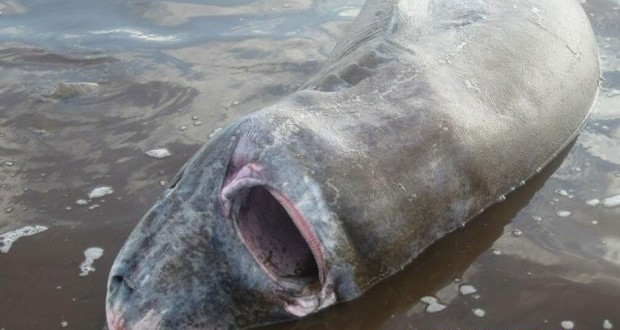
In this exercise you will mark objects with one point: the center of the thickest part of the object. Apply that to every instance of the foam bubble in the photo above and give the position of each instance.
(607, 324)
(466, 289)
(90, 254)
(7, 239)
(432, 305)
(479, 312)
(593, 202)
(563, 213)
(158, 153)
(64, 324)
(612, 201)
(517, 233)
(567, 325)
(81, 202)
(496, 252)
(561, 192)
(100, 192)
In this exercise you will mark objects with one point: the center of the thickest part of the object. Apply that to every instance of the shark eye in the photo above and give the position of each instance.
(274, 240)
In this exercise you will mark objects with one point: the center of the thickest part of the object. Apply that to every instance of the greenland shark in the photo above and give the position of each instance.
(429, 112)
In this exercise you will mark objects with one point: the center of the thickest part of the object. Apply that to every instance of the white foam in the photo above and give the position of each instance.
(7, 239)
(607, 325)
(479, 312)
(81, 202)
(100, 192)
(561, 192)
(612, 201)
(517, 232)
(64, 324)
(432, 305)
(159, 153)
(593, 202)
(496, 252)
(568, 325)
(91, 254)
(466, 289)
(563, 213)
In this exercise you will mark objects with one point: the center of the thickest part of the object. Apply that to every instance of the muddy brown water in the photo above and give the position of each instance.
(169, 73)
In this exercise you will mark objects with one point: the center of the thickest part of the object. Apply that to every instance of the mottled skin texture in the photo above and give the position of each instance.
(429, 113)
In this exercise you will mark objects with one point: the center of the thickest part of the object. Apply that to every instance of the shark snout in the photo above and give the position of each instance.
(116, 320)
(228, 253)
(117, 291)
(122, 291)
(126, 308)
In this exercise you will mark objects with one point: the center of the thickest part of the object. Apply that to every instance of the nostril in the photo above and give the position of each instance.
(116, 280)
(119, 282)
(115, 284)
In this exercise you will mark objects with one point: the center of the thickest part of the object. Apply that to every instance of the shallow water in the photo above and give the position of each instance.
(166, 74)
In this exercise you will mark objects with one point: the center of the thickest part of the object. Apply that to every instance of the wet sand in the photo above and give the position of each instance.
(167, 74)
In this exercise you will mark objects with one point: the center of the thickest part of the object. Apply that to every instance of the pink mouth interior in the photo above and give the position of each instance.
(274, 238)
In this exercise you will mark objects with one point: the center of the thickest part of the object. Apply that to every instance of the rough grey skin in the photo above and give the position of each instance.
(429, 113)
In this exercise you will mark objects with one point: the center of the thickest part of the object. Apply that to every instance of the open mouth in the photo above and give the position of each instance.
(274, 240)
(280, 239)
